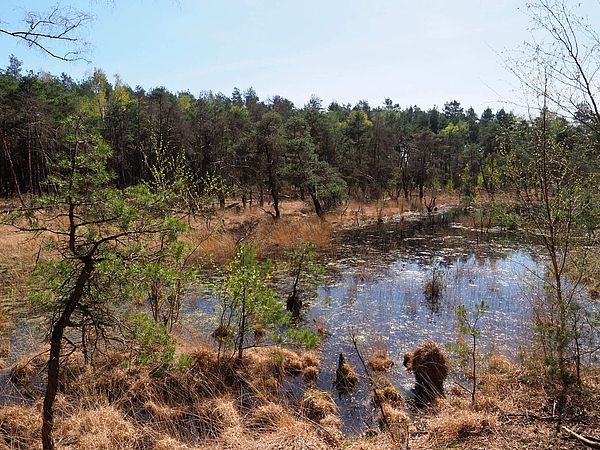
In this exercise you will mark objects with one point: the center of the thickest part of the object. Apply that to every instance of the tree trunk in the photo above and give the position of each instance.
(317, 203)
(275, 196)
(58, 331)
(12, 169)
(240, 348)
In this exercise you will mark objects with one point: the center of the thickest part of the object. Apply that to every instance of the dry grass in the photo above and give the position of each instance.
(24, 371)
(234, 406)
(430, 366)
(456, 421)
(345, 376)
(311, 365)
(216, 239)
(287, 234)
(380, 361)
(386, 393)
(242, 405)
(216, 242)
(19, 427)
(270, 417)
(18, 253)
(397, 422)
(316, 405)
(218, 248)
(104, 428)
(319, 407)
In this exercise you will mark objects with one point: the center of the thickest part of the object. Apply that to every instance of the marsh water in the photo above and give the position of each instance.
(376, 290)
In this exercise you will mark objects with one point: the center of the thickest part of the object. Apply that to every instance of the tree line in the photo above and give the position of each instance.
(261, 150)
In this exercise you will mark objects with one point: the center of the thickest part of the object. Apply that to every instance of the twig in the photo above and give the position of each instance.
(371, 381)
(590, 442)
(462, 387)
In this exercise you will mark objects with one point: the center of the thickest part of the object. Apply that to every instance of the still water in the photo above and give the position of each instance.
(377, 291)
(375, 287)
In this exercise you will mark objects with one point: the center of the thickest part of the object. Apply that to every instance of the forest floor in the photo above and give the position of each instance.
(200, 403)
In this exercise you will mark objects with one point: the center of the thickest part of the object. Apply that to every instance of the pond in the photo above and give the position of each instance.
(377, 291)
(375, 287)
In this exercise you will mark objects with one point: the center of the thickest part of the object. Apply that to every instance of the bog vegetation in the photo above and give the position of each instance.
(124, 194)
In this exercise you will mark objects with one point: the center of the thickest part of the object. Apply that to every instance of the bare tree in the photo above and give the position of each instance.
(55, 32)
(561, 62)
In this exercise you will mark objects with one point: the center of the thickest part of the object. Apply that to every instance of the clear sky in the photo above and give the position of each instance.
(415, 52)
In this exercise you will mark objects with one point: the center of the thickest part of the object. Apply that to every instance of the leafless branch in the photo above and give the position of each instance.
(60, 25)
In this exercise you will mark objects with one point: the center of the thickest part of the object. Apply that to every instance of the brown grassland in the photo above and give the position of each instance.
(243, 405)
(211, 404)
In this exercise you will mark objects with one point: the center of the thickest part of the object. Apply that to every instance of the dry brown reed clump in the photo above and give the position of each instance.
(286, 234)
(396, 422)
(330, 430)
(380, 361)
(345, 375)
(275, 361)
(104, 428)
(234, 404)
(19, 427)
(311, 359)
(310, 367)
(311, 375)
(386, 393)
(319, 407)
(430, 366)
(26, 369)
(269, 417)
(457, 421)
(316, 405)
(215, 416)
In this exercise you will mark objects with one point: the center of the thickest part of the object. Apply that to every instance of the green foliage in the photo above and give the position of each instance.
(303, 336)
(245, 298)
(171, 177)
(166, 279)
(184, 362)
(468, 324)
(554, 185)
(92, 219)
(152, 343)
(468, 320)
(305, 270)
(504, 216)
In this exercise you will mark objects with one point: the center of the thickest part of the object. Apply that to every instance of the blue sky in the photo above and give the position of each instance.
(415, 52)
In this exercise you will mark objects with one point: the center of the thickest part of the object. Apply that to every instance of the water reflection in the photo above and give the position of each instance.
(378, 291)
